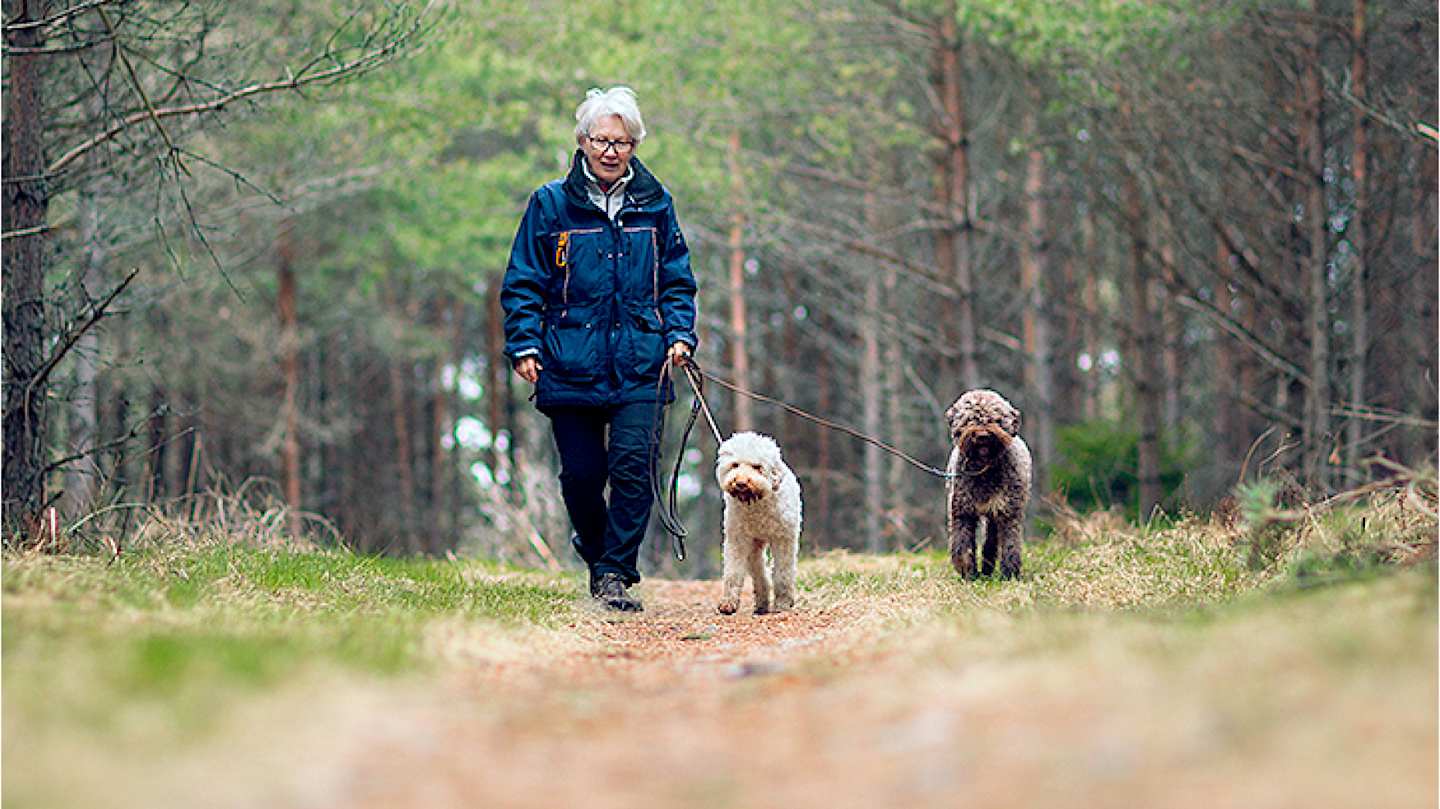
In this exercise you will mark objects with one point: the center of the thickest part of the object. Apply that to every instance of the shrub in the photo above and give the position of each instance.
(1096, 466)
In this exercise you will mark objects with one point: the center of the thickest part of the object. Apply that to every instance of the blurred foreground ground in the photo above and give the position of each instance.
(1148, 675)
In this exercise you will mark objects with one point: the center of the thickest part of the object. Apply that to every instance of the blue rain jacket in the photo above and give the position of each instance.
(601, 301)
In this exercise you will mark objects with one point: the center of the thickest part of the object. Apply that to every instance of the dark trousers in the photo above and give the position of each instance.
(600, 445)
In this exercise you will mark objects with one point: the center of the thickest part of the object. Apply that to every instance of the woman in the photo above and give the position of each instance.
(598, 295)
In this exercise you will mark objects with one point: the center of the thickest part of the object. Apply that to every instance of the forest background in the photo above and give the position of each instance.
(1194, 242)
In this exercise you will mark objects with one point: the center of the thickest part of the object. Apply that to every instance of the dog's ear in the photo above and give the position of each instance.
(773, 471)
(724, 459)
(1011, 421)
(952, 417)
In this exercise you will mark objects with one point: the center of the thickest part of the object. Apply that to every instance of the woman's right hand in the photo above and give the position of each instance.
(529, 369)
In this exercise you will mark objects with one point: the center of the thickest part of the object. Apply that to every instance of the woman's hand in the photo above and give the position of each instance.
(529, 368)
(679, 353)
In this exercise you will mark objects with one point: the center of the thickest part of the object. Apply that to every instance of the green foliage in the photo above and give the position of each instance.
(1089, 32)
(1097, 466)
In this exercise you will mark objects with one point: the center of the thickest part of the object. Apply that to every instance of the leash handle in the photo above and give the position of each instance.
(669, 512)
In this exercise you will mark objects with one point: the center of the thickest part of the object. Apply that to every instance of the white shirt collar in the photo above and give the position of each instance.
(612, 201)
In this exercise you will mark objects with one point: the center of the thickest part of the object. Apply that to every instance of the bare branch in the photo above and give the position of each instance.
(363, 63)
(1247, 339)
(130, 435)
(72, 11)
(97, 312)
(74, 47)
(139, 88)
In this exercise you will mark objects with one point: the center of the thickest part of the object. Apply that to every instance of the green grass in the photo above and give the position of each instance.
(283, 580)
(187, 630)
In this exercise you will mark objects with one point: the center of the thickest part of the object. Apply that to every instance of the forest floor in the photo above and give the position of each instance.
(1124, 669)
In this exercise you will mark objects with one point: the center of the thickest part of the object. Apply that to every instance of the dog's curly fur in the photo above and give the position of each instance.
(990, 468)
(762, 509)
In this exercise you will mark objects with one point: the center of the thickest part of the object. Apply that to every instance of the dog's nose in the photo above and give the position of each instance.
(744, 491)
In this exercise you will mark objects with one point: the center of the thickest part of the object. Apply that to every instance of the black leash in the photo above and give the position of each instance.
(669, 511)
(700, 373)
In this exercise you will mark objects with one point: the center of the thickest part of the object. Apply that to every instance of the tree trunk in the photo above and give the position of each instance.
(870, 381)
(404, 455)
(330, 381)
(1355, 232)
(1172, 326)
(953, 249)
(1419, 383)
(25, 213)
(739, 350)
(824, 457)
(83, 475)
(1090, 329)
(1222, 445)
(1035, 329)
(159, 444)
(1317, 395)
(115, 413)
(497, 371)
(1068, 404)
(285, 305)
(398, 368)
(894, 412)
(1144, 371)
(790, 354)
(449, 315)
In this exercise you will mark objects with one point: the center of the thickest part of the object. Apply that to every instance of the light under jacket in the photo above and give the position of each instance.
(599, 299)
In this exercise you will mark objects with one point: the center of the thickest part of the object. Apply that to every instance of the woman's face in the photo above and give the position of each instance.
(608, 149)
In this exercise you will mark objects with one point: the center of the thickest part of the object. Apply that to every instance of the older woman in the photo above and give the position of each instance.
(598, 295)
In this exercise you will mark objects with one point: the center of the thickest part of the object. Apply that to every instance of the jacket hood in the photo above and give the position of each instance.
(644, 189)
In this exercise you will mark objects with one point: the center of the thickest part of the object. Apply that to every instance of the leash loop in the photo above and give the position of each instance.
(669, 512)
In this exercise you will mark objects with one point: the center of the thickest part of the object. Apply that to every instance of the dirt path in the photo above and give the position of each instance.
(676, 706)
(680, 637)
(682, 707)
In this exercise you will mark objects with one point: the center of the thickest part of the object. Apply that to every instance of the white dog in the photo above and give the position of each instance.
(762, 509)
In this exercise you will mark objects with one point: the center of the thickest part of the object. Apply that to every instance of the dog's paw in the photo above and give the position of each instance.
(762, 609)
(784, 604)
(728, 607)
(965, 566)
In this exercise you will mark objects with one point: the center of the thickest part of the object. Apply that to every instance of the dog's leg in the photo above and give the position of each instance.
(734, 576)
(785, 554)
(761, 575)
(988, 547)
(1011, 534)
(962, 544)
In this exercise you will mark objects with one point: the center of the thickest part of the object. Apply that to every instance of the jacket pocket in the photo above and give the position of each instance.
(576, 258)
(647, 342)
(573, 345)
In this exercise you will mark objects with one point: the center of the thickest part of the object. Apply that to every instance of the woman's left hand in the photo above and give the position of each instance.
(679, 352)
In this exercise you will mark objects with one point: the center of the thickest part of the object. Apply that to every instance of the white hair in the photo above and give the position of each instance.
(615, 101)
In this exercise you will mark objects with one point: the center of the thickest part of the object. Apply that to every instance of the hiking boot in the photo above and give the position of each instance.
(611, 591)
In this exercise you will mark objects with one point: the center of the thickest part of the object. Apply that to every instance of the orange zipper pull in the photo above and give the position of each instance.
(562, 249)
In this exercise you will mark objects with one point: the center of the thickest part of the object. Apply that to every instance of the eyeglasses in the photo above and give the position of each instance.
(602, 145)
